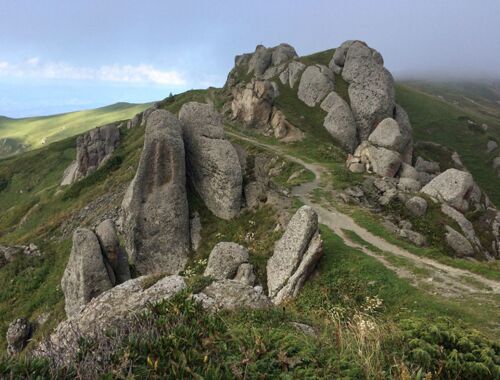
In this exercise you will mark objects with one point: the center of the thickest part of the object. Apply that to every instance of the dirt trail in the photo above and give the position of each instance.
(421, 271)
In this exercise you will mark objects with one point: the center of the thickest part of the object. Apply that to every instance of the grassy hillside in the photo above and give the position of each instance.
(438, 121)
(18, 135)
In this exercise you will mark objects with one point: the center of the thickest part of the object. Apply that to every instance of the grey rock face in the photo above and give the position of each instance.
(252, 104)
(92, 150)
(388, 134)
(232, 294)
(451, 187)
(295, 255)
(103, 312)
(339, 121)
(291, 74)
(341, 52)
(111, 249)
(18, 334)
(371, 87)
(213, 165)
(458, 243)
(406, 130)
(417, 206)
(414, 237)
(156, 215)
(465, 225)
(86, 275)
(315, 83)
(225, 259)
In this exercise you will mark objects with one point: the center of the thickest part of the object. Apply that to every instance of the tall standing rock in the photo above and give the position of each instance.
(316, 82)
(92, 150)
(86, 275)
(156, 222)
(295, 256)
(339, 121)
(213, 165)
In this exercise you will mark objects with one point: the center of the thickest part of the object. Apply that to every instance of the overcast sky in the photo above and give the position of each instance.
(57, 56)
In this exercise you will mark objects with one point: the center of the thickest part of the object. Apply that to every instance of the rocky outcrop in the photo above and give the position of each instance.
(116, 305)
(114, 254)
(339, 121)
(224, 260)
(156, 215)
(295, 256)
(371, 86)
(316, 82)
(92, 150)
(263, 58)
(452, 187)
(18, 334)
(252, 103)
(212, 161)
(86, 274)
(282, 129)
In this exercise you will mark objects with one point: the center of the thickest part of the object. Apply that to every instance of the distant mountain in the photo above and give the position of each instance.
(18, 135)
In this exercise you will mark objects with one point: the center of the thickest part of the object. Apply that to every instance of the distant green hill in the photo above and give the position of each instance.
(18, 135)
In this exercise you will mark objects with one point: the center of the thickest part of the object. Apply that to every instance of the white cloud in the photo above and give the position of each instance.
(142, 73)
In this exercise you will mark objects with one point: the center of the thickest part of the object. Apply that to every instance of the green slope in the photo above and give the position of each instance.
(436, 120)
(17, 135)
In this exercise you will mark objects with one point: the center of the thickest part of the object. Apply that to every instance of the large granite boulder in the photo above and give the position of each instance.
(339, 121)
(86, 274)
(92, 150)
(403, 121)
(458, 243)
(225, 259)
(316, 82)
(213, 165)
(156, 215)
(252, 103)
(295, 256)
(452, 187)
(18, 334)
(417, 206)
(371, 86)
(388, 134)
(113, 252)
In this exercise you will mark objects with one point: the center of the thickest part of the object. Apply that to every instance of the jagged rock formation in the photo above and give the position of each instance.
(18, 334)
(212, 162)
(106, 310)
(156, 222)
(86, 275)
(295, 256)
(92, 150)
